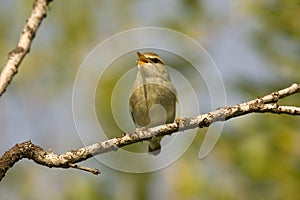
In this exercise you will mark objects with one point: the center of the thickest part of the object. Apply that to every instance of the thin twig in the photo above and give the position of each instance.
(87, 169)
(16, 55)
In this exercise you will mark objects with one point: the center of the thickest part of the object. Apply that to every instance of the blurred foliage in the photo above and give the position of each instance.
(271, 141)
(257, 156)
(278, 34)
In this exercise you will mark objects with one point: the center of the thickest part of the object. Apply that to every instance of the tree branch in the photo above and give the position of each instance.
(265, 104)
(16, 55)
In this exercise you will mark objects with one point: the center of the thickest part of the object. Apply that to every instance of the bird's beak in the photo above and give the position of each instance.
(142, 59)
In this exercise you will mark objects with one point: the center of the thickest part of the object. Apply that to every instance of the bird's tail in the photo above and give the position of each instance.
(154, 146)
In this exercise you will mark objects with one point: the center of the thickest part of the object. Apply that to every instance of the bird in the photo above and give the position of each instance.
(153, 97)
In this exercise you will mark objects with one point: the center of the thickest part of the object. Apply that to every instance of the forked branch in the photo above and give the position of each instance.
(265, 104)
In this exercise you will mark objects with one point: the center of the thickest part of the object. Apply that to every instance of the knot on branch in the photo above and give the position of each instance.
(17, 50)
(275, 96)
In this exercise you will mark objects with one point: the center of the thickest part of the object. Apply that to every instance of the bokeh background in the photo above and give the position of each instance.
(256, 46)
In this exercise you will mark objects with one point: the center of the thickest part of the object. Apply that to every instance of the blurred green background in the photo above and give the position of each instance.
(256, 46)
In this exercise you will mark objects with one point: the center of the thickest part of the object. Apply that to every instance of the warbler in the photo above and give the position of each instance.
(153, 97)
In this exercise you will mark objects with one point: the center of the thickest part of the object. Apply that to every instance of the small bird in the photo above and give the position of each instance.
(153, 97)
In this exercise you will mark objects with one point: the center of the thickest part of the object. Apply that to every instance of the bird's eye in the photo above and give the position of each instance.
(155, 60)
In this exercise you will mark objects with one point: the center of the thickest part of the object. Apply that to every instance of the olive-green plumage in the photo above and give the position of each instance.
(153, 98)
